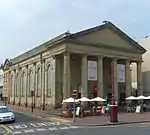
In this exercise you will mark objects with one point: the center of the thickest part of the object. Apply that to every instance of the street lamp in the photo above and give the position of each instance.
(113, 106)
(74, 95)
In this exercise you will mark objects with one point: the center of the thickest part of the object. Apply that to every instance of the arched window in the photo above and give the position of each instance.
(49, 81)
(39, 82)
(31, 82)
(24, 79)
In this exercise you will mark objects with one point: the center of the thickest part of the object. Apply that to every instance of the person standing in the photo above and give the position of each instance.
(108, 108)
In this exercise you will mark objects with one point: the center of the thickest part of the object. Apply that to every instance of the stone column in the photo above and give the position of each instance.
(46, 83)
(66, 76)
(115, 80)
(139, 78)
(100, 77)
(43, 82)
(58, 80)
(19, 85)
(36, 86)
(128, 78)
(9, 87)
(84, 76)
(14, 93)
(34, 76)
(53, 90)
(27, 86)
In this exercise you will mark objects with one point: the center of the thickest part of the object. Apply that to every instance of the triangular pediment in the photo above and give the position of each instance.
(7, 63)
(110, 36)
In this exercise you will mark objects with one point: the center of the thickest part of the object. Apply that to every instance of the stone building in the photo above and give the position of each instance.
(55, 68)
(145, 67)
(1, 81)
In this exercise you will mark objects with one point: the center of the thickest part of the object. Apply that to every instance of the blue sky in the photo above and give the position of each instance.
(27, 23)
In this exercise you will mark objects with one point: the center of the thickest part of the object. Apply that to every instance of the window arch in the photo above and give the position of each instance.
(39, 82)
(31, 82)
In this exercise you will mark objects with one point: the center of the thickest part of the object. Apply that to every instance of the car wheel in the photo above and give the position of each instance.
(14, 120)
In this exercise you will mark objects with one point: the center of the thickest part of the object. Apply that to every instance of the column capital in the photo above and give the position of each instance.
(84, 56)
(127, 60)
(19, 69)
(46, 69)
(42, 61)
(139, 61)
(34, 64)
(14, 70)
(114, 60)
(66, 53)
(54, 56)
(100, 57)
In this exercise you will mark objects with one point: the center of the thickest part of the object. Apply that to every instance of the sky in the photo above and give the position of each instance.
(25, 24)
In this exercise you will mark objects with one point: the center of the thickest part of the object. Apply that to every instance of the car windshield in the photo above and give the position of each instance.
(4, 110)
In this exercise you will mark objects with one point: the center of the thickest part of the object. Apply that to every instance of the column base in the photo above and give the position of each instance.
(13, 102)
(26, 104)
(43, 107)
(113, 113)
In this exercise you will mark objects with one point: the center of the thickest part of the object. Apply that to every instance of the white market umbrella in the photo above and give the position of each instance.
(69, 100)
(141, 97)
(148, 97)
(131, 98)
(98, 99)
(84, 99)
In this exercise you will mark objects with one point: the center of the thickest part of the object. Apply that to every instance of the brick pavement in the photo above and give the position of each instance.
(124, 118)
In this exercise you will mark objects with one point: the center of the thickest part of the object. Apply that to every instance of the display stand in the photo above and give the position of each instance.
(98, 111)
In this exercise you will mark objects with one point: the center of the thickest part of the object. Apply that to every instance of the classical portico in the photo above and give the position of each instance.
(61, 65)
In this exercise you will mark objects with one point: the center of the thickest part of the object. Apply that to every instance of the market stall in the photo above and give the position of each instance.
(98, 109)
(67, 107)
(86, 108)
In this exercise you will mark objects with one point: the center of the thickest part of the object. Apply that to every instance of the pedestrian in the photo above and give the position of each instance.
(108, 108)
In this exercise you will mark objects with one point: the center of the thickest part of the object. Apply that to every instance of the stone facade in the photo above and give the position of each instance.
(145, 67)
(1, 81)
(55, 68)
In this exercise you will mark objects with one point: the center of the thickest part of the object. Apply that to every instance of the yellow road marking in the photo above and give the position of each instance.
(7, 129)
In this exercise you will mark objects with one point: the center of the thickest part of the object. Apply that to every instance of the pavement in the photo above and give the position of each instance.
(123, 118)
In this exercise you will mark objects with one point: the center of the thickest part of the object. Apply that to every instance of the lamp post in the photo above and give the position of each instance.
(113, 106)
(74, 95)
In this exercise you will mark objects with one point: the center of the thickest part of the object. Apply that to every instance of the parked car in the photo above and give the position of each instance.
(6, 114)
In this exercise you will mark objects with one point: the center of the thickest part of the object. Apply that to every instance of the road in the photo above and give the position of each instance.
(27, 125)
(136, 129)
(33, 125)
